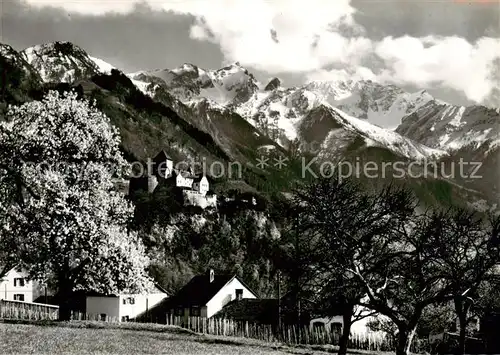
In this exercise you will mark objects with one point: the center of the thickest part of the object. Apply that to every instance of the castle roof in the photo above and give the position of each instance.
(184, 173)
(162, 156)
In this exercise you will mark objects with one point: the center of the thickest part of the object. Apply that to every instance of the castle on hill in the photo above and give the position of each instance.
(195, 188)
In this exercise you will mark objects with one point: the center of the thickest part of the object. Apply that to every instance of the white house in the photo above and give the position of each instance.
(123, 307)
(336, 323)
(15, 286)
(207, 294)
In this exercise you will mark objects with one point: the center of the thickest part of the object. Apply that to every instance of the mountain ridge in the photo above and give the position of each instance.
(242, 117)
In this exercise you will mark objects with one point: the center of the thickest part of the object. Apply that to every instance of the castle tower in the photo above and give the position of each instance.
(163, 165)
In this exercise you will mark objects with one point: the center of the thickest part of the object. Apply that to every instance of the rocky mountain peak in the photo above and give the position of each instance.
(273, 84)
(187, 67)
(8, 51)
(451, 127)
(230, 85)
(60, 62)
(16, 59)
(18, 78)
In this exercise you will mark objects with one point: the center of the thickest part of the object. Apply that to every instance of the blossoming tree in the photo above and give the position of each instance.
(58, 205)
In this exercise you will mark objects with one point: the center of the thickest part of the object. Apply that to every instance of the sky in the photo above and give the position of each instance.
(449, 47)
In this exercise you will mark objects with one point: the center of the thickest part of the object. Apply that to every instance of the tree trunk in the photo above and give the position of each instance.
(461, 338)
(299, 320)
(279, 302)
(65, 296)
(346, 329)
(461, 308)
(405, 338)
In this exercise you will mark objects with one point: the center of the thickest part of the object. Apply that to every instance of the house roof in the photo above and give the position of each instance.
(199, 291)
(161, 289)
(7, 270)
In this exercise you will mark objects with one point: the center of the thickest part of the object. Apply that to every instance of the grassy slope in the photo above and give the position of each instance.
(94, 337)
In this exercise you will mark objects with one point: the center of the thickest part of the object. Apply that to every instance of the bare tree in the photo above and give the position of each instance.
(345, 217)
(378, 251)
(297, 252)
(398, 279)
(468, 249)
(438, 257)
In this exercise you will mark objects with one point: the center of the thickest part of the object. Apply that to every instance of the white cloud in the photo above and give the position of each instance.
(448, 61)
(304, 31)
(91, 7)
(316, 34)
(355, 74)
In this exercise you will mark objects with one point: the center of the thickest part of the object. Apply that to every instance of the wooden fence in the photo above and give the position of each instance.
(289, 334)
(27, 311)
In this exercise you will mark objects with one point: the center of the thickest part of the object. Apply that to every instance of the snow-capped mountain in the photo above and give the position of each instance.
(382, 105)
(279, 112)
(235, 86)
(470, 135)
(102, 66)
(283, 113)
(63, 62)
(375, 136)
(288, 115)
(16, 59)
(227, 86)
(330, 120)
(450, 127)
(280, 108)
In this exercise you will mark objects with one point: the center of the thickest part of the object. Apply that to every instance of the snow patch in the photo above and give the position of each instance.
(104, 67)
(142, 86)
(458, 117)
(267, 147)
(389, 139)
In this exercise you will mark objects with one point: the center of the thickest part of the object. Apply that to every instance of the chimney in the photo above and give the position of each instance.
(212, 275)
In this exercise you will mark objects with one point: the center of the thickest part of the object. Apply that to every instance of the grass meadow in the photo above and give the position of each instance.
(129, 338)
